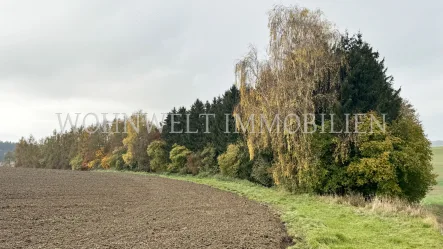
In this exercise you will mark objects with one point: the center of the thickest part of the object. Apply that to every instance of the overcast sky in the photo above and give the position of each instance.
(121, 56)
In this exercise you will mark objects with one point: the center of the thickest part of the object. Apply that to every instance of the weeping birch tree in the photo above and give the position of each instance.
(298, 76)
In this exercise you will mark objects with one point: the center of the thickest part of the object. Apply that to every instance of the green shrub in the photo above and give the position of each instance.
(261, 171)
(120, 164)
(235, 162)
(159, 156)
(329, 163)
(117, 162)
(116, 159)
(194, 163)
(412, 156)
(76, 163)
(372, 172)
(208, 160)
(395, 163)
(245, 169)
(94, 164)
(179, 157)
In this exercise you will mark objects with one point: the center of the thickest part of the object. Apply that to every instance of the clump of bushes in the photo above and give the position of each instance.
(395, 163)
(182, 160)
(76, 163)
(235, 162)
(194, 163)
(179, 157)
(208, 160)
(261, 171)
(116, 160)
(158, 154)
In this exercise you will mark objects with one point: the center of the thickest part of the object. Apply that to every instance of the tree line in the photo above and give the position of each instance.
(7, 151)
(81, 149)
(310, 68)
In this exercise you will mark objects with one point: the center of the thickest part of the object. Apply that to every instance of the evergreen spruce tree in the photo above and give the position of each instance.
(365, 85)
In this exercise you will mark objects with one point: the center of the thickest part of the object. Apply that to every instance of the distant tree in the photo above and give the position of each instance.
(76, 163)
(179, 157)
(365, 85)
(209, 160)
(116, 159)
(9, 159)
(167, 135)
(301, 61)
(183, 137)
(261, 171)
(57, 150)
(106, 161)
(194, 163)
(137, 141)
(6, 147)
(371, 171)
(395, 162)
(158, 154)
(28, 153)
(115, 136)
(130, 140)
(217, 124)
(196, 141)
(235, 161)
(412, 155)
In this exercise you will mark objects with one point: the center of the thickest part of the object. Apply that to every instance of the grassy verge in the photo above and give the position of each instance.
(434, 201)
(315, 222)
(436, 195)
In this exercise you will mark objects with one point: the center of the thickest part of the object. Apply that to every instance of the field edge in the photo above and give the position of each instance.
(312, 222)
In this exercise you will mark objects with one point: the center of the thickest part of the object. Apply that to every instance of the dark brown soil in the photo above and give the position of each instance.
(65, 209)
